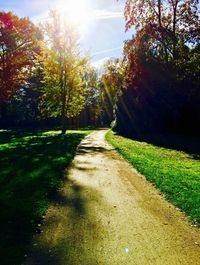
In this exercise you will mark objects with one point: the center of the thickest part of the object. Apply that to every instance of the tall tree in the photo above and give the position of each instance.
(113, 79)
(162, 58)
(18, 48)
(65, 82)
(167, 21)
(24, 106)
(112, 83)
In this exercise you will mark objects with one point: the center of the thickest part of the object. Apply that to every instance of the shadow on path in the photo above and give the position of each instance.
(32, 166)
(71, 231)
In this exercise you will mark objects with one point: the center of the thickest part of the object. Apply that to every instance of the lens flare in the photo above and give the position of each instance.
(75, 11)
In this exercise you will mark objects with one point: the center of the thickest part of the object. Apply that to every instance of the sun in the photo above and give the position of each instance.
(75, 11)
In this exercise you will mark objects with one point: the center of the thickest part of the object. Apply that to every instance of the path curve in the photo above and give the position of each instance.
(106, 213)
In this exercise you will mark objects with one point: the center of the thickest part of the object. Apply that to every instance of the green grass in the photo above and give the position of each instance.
(175, 173)
(32, 165)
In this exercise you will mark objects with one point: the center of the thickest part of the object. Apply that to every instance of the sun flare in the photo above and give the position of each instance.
(75, 11)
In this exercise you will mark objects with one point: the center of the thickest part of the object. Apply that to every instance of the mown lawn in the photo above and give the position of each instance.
(175, 173)
(31, 166)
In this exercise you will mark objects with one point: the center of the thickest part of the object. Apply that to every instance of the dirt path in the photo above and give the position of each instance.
(106, 213)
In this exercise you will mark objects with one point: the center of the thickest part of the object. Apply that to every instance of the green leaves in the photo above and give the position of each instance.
(64, 70)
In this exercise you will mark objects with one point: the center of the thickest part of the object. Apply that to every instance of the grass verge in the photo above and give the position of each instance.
(175, 173)
(32, 166)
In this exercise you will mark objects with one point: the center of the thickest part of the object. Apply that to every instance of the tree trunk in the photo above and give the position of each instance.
(64, 122)
(63, 95)
(174, 28)
(64, 126)
(159, 14)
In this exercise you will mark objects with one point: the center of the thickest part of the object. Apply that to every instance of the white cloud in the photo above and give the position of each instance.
(107, 50)
(106, 14)
(92, 15)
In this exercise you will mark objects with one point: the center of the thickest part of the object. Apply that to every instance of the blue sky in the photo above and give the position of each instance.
(102, 36)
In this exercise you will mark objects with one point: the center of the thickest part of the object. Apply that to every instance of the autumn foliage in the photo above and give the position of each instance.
(153, 87)
(162, 60)
(18, 46)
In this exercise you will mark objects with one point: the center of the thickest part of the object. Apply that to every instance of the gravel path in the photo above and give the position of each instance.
(106, 213)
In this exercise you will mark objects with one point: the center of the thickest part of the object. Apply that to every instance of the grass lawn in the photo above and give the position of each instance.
(32, 165)
(175, 173)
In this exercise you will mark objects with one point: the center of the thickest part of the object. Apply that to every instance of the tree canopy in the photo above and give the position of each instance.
(153, 87)
(162, 68)
(18, 49)
(64, 69)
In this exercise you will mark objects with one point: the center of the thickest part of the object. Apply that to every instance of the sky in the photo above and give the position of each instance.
(101, 22)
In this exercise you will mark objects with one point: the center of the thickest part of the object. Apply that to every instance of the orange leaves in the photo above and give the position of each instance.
(18, 43)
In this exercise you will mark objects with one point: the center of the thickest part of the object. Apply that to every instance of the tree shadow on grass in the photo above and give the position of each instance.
(72, 232)
(31, 170)
(7, 136)
(179, 142)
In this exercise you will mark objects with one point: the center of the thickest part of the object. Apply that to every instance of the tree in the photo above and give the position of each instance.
(91, 111)
(24, 106)
(113, 79)
(64, 70)
(162, 74)
(112, 84)
(167, 22)
(18, 48)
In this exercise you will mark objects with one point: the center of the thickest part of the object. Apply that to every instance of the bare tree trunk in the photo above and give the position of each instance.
(63, 116)
(64, 100)
(63, 93)
(64, 125)
(175, 4)
(159, 14)
(63, 113)
(161, 30)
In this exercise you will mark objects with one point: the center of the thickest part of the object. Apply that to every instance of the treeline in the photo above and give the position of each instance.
(44, 77)
(155, 87)
(160, 88)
